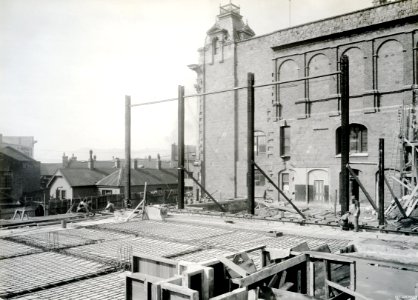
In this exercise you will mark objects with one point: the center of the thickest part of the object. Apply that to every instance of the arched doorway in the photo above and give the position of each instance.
(318, 186)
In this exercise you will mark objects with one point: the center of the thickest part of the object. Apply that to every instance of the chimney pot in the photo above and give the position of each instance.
(91, 161)
(135, 164)
(64, 160)
(117, 163)
(158, 161)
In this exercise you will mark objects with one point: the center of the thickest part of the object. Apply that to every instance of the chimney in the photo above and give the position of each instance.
(174, 152)
(117, 163)
(135, 164)
(158, 162)
(64, 160)
(91, 161)
(149, 157)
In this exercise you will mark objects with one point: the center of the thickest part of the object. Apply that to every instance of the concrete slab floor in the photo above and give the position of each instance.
(209, 235)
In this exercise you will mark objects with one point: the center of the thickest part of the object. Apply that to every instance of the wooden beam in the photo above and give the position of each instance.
(282, 278)
(327, 275)
(177, 289)
(330, 256)
(190, 174)
(250, 144)
(345, 290)
(286, 295)
(273, 281)
(270, 271)
(238, 294)
(353, 278)
(278, 253)
(363, 188)
(279, 190)
(310, 265)
(381, 182)
(286, 286)
(398, 204)
(234, 267)
(401, 183)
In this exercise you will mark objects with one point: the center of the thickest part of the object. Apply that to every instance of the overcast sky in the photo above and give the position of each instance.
(66, 66)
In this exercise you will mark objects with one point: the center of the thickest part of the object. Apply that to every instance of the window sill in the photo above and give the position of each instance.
(364, 154)
(285, 156)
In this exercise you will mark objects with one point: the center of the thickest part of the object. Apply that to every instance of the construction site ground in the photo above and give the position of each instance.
(88, 258)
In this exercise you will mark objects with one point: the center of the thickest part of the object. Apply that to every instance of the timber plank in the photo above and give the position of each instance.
(345, 290)
(269, 271)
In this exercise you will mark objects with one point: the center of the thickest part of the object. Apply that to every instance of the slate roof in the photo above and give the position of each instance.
(98, 164)
(140, 176)
(83, 177)
(15, 154)
(49, 169)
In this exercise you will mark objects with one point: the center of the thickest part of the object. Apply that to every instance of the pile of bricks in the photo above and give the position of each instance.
(9, 249)
(107, 287)
(30, 272)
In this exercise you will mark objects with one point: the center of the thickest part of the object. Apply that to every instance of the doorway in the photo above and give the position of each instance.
(319, 191)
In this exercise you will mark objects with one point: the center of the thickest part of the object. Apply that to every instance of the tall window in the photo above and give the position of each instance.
(358, 139)
(285, 141)
(285, 182)
(259, 179)
(5, 179)
(215, 46)
(259, 142)
(63, 194)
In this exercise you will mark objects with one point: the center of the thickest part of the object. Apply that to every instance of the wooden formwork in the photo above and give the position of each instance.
(284, 274)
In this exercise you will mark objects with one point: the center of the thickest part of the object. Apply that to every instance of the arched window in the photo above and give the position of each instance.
(288, 93)
(390, 66)
(215, 46)
(259, 143)
(356, 67)
(358, 139)
(319, 88)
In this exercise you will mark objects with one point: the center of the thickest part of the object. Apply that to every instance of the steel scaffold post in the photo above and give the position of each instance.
(127, 150)
(345, 135)
(381, 181)
(250, 144)
(180, 151)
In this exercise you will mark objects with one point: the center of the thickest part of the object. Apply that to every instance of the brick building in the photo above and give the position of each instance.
(19, 175)
(297, 124)
(24, 144)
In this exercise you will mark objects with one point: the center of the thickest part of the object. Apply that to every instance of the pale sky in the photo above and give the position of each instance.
(66, 66)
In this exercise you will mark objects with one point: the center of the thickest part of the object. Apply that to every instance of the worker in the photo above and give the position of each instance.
(82, 207)
(110, 206)
(356, 212)
(344, 221)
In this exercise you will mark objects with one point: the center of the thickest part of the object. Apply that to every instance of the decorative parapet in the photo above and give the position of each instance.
(343, 24)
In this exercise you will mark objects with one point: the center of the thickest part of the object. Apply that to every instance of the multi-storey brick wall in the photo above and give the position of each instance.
(381, 45)
(24, 178)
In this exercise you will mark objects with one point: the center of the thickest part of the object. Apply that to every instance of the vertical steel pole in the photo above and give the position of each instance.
(127, 150)
(345, 135)
(381, 182)
(250, 143)
(180, 151)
